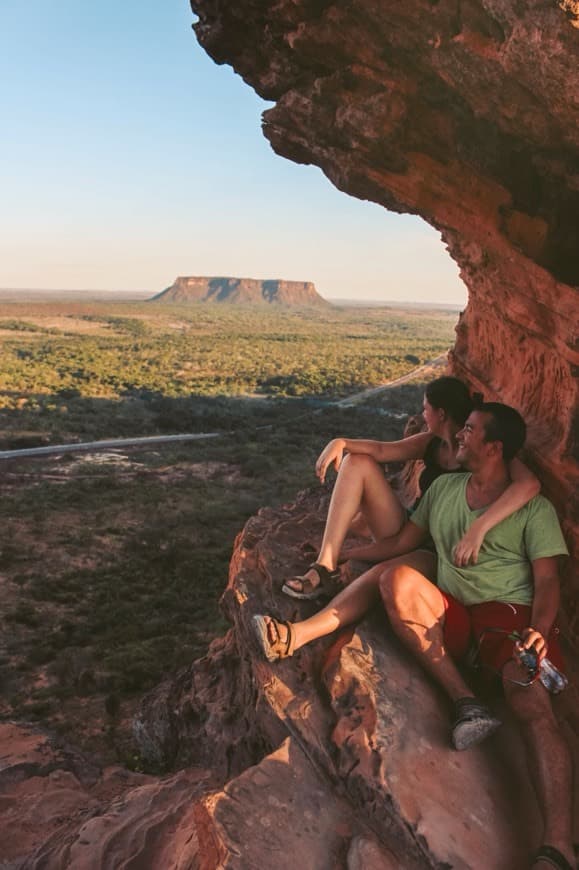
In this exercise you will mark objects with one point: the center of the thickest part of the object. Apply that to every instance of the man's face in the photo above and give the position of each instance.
(472, 447)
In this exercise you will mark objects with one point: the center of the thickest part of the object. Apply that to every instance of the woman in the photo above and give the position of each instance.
(362, 487)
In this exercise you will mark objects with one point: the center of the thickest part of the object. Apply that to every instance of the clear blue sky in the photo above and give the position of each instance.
(128, 157)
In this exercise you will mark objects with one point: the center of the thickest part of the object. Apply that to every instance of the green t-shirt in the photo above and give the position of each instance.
(503, 571)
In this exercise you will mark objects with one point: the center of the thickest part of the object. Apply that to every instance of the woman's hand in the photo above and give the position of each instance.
(332, 453)
(467, 550)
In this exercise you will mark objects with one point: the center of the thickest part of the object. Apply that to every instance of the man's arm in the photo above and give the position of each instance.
(407, 539)
(545, 605)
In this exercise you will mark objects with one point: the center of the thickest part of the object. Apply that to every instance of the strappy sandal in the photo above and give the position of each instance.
(552, 856)
(327, 586)
(275, 649)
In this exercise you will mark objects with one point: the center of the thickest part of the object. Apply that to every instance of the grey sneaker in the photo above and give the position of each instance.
(474, 723)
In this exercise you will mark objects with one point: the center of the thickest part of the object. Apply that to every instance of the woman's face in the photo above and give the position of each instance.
(433, 417)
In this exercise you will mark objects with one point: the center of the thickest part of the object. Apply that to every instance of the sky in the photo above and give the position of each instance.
(128, 157)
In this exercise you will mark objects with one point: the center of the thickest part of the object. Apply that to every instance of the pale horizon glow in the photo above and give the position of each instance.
(130, 158)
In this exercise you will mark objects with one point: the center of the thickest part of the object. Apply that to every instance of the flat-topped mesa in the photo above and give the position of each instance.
(244, 291)
(467, 115)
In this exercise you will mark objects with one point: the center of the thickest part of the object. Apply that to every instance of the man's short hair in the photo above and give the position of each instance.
(505, 425)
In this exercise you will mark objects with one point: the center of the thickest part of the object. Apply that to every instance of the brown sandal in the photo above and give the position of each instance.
(278, 648)
(328, 584)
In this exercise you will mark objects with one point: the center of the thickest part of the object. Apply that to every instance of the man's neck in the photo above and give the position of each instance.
(486, 484)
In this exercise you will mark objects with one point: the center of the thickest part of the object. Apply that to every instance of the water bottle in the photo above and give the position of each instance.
(552, 679)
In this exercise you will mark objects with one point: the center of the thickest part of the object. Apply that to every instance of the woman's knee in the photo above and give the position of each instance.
(360, 463)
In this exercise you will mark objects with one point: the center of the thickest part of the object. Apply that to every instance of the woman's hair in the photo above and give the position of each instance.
(452, 396)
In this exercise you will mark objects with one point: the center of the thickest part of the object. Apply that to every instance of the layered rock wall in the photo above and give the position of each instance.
(465, 112)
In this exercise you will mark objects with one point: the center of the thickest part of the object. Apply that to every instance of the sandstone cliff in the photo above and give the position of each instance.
(467, 114)
(241, 291)
(337, 759)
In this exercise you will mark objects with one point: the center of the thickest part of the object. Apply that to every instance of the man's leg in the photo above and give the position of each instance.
(416, 608)
(548, 758)
(354, 602)
(351, 604)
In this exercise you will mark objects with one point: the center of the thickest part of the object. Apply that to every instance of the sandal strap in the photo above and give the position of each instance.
(328, 578)
(284, 648)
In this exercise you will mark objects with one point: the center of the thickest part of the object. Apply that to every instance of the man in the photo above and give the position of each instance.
(513, 587)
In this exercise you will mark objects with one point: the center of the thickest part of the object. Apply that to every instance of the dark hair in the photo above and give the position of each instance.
(505, 425)
(452, 396)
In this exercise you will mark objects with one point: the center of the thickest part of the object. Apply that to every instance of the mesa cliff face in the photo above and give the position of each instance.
(468, 115)
(242, 291)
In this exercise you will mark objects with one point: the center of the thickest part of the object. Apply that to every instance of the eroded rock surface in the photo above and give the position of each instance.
(466, 113)
(362, 713)
(336, 759)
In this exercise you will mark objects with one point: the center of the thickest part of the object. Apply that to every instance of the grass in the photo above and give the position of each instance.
(123, 378)
(112, 570)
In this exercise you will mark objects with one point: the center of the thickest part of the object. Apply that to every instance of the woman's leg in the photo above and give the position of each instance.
(360, 486)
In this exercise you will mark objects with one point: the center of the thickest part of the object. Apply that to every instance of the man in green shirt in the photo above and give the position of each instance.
(513, 586)
(439, 609)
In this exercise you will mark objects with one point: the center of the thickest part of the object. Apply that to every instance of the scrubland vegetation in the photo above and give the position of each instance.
(112, 565)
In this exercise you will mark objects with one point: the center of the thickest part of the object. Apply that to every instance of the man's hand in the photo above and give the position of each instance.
(332, 453)
(531, 638)
(467, 550)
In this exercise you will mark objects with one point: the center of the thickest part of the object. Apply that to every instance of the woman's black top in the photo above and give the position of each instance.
(432, 469)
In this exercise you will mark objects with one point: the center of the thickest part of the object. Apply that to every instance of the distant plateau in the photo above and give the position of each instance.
(241, 291)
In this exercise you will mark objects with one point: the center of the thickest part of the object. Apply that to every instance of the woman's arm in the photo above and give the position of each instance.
(409, 538)
(523, 487)
(412, 447)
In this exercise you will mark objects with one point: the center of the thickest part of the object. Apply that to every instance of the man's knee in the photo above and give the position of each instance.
(529, 703)
(398, 586)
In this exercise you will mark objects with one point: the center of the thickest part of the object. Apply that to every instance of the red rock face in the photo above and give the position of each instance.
(338, 758)
(466, 114)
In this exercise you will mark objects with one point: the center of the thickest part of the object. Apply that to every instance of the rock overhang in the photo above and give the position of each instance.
(467, 114)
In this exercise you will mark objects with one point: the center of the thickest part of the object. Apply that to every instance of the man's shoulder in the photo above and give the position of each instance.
(539, 507)
(542, 530)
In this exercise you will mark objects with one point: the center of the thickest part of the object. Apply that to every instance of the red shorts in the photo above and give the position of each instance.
(478, 624)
